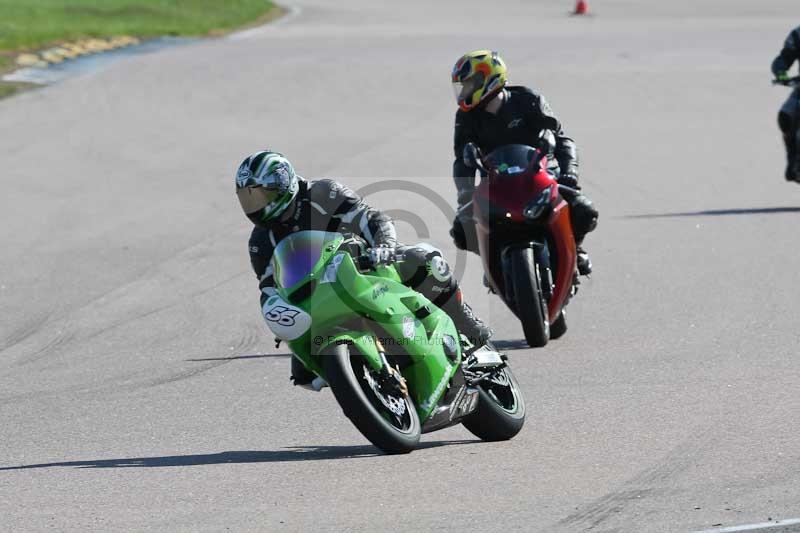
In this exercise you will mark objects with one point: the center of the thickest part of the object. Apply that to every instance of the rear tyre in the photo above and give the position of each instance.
(531, 307)
(387, 420)
(501, 409)
(559, 327)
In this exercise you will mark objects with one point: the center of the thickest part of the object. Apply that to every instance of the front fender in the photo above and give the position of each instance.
(363, 341)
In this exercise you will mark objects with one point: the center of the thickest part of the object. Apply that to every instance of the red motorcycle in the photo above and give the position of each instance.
(524, 234)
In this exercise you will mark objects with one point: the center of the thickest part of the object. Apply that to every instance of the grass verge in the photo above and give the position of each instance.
(9, 88)
(28, 25)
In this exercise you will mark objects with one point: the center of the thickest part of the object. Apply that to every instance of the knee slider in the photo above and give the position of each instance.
(431, 259)
(439, 268)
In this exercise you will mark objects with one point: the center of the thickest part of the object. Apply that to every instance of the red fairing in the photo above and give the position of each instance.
(561, 232)
(507, 195)
(514, 191)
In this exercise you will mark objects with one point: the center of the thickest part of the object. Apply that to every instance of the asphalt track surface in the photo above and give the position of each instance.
(140, 391)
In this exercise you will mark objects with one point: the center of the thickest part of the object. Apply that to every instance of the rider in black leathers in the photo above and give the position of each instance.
(492, 114)
(326, 205)
(789, 115)
(522, 115)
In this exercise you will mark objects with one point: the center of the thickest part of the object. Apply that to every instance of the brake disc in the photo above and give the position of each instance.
(393, 404)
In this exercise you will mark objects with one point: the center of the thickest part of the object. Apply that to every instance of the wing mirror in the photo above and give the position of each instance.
(472, 157)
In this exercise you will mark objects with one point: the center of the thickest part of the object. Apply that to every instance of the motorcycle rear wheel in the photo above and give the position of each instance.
(501, 408)
(388, 421)
(528, 297)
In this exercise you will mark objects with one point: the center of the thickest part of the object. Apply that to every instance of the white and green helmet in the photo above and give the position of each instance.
(265, 185)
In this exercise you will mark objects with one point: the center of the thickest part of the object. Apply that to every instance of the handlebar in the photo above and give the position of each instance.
(364, 261)
(359, 250)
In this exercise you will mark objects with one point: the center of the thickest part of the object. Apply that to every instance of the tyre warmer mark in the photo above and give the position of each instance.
(30, 328)
(651, 481)
(60, 339)
(247, 340)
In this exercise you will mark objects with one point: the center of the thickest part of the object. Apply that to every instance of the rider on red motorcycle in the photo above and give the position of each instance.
(492, 114)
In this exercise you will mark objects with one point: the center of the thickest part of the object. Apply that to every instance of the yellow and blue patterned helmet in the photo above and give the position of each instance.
(477, 77)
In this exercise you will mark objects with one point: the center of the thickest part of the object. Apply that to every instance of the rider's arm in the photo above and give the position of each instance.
(566, 152)
(348, 213)
(463, 176)
(789, 54)
(261, 248)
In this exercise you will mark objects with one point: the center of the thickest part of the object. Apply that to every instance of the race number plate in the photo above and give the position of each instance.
(286, 321)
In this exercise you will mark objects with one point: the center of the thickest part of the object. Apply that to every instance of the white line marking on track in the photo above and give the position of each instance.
(754, 527)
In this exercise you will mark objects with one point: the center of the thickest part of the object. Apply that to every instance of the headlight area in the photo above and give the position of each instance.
(539, 205)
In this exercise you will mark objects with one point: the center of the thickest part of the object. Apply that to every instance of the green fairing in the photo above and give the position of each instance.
(350, 307)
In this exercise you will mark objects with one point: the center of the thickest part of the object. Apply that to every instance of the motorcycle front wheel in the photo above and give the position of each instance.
(528, 298)
(388, 419)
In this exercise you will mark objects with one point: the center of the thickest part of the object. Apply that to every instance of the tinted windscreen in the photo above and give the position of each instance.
(297, 256)
(511, 159)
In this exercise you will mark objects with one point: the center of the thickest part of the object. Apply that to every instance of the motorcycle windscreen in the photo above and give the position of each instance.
(298, 255)
(511, 159)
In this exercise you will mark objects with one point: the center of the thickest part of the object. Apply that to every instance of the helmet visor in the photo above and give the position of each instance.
(463, 90)
(254, 199)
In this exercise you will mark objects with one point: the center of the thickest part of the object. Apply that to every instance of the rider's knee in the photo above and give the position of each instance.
(423, 261)
(458, 234)
(463, 233)
(584, 215)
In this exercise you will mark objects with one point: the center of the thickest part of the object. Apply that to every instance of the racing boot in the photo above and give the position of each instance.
(792, 160)
(488, 285)
(303, 377)
(794, 166)
(791, 140)
(467, 323)
(584, 263)
(584, 220)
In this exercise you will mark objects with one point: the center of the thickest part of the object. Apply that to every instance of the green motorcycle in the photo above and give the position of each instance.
(395, 362)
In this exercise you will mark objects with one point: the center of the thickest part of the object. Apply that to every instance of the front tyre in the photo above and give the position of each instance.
(501, 409)
(387, 419)
(528, 297)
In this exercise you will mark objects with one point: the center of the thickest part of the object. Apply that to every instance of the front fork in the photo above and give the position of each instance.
(389, 377)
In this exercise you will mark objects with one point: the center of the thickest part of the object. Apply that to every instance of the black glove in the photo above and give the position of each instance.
(382, 255)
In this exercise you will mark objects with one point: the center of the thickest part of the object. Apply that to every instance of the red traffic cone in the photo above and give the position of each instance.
(581, 8)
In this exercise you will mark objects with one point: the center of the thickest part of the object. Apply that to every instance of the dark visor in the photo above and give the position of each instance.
(254, 199)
